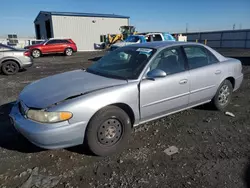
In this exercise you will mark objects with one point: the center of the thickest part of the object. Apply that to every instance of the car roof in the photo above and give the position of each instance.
(164, 44)
(158, 44)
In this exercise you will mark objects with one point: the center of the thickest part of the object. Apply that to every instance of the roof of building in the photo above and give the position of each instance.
(82, 14)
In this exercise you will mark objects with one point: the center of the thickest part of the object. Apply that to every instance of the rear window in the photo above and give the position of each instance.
(70, 41)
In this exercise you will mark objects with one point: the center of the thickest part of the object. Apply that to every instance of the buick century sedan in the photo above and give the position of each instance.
(129, 86)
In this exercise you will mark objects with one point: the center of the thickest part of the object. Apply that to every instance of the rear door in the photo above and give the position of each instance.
(205, 74)
(62, 45)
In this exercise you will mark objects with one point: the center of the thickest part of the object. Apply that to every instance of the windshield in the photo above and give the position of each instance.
(38, 42)
(43, 42)
(123, 63)
(132, 39)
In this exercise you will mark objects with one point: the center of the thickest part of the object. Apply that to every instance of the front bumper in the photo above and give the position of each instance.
(27, 63)
(48, 136)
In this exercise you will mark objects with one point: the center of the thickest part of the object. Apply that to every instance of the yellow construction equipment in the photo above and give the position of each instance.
(115, 38)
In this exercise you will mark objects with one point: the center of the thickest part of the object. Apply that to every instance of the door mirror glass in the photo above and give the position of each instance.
(156, 73)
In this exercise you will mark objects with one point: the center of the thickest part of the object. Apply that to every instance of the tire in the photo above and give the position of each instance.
(68, 52)
(36, 53)
(223, 96)
(10, 67)
(108, 131)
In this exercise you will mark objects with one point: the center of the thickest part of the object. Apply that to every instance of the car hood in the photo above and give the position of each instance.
(48, 91)
(33, 46)
(121, 44)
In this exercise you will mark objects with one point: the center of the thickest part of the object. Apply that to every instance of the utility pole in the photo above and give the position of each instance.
(186, 27)
(233, 26)
(240, 26)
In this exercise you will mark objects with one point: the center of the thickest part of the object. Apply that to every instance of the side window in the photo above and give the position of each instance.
(157, 37)
(170, 37)
(196, 56)
(51, 42)
(212, 58)
(148, 38)
(55, 41)
(65, 41)
(199, 57)
(170, 60)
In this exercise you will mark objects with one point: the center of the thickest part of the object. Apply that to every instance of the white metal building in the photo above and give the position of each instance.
(85, 29)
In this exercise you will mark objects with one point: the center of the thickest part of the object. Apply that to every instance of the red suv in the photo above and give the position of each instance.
(51, 46)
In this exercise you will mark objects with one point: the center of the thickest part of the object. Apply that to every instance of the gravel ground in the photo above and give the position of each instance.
(212, 149)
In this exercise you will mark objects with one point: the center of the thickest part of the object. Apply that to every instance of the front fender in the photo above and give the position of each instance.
(85, 106)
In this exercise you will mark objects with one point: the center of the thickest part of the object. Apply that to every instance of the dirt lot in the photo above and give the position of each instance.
(213, 148)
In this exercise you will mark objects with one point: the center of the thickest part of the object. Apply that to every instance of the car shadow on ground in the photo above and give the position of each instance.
(205, 107)
(10, 139)
(246, 176)
(81, 149)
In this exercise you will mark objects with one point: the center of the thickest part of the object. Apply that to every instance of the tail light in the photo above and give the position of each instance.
(27, 53)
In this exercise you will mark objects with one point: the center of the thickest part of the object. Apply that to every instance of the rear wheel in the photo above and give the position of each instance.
(68, 52)
(10, 67)
(108, 131)
(36, 53)
(223, 96)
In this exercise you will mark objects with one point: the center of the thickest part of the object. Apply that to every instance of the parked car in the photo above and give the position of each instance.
(133, 39)
(127, 87)
(52, 46)
(12, 59)
(143, 37)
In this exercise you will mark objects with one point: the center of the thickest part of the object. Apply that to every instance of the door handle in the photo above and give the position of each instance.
(217, 71)
(184, 81)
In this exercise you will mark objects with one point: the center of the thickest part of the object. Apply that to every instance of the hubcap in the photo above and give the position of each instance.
(36, 53)
(68, 51)
(10, 68)
(224, 95)
(110, 132)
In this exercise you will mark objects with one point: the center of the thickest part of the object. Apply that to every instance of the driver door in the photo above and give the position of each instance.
(51, 46)
(164, 95)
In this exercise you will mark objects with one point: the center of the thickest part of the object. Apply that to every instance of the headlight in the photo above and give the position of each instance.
(48, 117)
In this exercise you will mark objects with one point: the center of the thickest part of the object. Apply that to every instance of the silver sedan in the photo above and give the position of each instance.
(12, 59)
(127, 87)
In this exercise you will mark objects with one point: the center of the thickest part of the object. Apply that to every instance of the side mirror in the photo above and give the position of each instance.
(156, 73)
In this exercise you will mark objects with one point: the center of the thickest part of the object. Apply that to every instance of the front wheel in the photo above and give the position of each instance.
(36, 53)
(10, 67)
(223, 96)
(108, 131)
